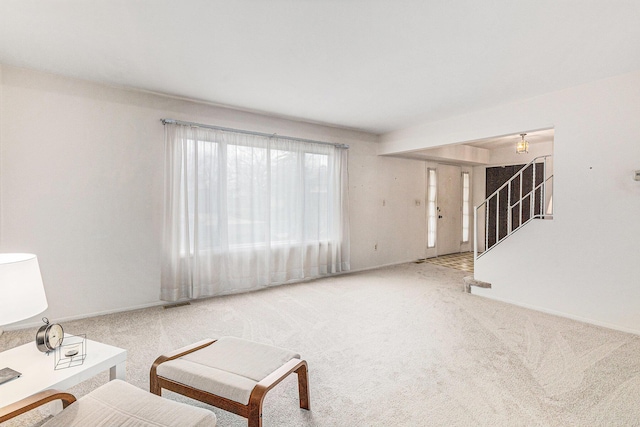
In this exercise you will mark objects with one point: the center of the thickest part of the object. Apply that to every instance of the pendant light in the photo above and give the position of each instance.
(522, 146)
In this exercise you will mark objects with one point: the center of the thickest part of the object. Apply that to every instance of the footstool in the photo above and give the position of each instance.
(115, 403)
(230, 373)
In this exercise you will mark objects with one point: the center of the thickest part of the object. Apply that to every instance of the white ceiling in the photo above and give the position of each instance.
(537, 137)
(374, 65)
(451, 155)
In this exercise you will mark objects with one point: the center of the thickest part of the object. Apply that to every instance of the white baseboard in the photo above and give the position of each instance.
(488, 295)
(38, 322)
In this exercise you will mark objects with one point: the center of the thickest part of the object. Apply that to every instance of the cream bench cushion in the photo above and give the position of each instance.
(229, 368)
(118, 403)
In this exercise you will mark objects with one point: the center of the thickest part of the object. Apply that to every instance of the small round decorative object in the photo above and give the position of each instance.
(71, 352)
(49, 336)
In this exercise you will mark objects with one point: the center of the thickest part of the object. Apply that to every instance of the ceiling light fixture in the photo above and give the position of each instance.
(522, 146)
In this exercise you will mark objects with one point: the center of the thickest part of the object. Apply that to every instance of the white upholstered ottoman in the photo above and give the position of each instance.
(230, 373)
(114, 404)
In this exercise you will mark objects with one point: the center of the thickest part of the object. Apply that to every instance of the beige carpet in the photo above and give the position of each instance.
(398, 346)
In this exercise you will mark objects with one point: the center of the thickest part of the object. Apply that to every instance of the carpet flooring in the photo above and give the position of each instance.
(396, 346)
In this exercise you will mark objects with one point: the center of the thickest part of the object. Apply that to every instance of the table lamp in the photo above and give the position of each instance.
(21, 293)
(21, 289)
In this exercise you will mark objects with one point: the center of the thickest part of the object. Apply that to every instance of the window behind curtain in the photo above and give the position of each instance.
(245, 211)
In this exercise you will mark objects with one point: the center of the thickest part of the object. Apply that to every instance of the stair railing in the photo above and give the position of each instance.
(536, 203)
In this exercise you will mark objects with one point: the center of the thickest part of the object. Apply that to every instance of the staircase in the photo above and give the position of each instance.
(526, 196)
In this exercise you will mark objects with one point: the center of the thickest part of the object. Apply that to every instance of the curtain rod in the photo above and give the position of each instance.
(248, 132)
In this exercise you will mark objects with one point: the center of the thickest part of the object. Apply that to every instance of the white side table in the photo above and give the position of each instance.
(38, 372)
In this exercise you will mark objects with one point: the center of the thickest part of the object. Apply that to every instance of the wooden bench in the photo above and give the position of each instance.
(230, 373)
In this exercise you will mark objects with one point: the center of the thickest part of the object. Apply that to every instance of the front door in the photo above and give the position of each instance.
(449, 229)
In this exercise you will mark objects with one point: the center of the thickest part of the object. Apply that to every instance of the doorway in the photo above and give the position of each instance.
(449, 209)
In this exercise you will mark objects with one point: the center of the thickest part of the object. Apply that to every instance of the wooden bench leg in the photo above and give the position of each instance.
(154, 385)
(254, 415)
(303, 386)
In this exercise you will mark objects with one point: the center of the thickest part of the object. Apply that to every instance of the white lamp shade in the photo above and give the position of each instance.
(21, 289)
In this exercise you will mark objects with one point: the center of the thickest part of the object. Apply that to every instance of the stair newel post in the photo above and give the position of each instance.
(475, 233)
(543, 189)
(486, 225)
(520, 200)
(497, 218)
(532, 198)
(509, 208)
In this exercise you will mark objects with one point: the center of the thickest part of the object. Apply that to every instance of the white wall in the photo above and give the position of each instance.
(82, 177)
(584, 263)
(386, 225)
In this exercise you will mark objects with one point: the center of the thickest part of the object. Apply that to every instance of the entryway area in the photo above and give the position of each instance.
(461, 261)
(448, 209)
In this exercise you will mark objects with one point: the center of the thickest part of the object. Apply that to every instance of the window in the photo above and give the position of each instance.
(432, 213)
(246, 210)
(293, 208)
(465, 207)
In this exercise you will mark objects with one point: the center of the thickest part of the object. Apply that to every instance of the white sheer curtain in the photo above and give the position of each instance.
(246, 211)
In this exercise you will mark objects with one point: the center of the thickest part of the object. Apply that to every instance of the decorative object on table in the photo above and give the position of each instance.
(49, 336)
(8, 374)
(71, 353)
(21, 290)
(38, 372)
